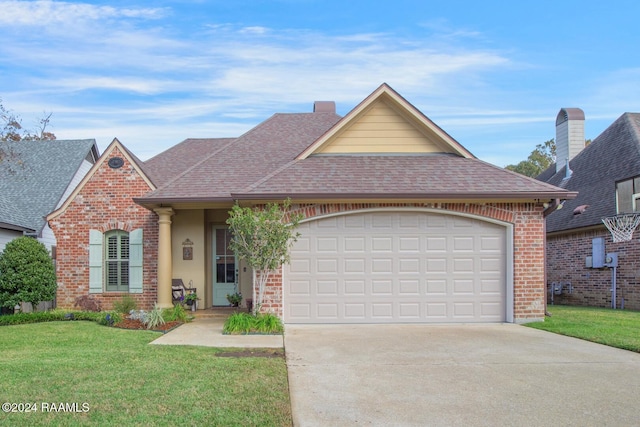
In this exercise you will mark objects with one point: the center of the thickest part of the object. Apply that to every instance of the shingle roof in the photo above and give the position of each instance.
(275, 159)
(249, 158)
(174, 161)
(613, 156)
(32, 190)
(398, 176)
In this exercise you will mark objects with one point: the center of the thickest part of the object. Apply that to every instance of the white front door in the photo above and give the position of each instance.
(225, 267)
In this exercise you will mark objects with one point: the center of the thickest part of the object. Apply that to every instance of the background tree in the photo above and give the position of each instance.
(538, 161)
(263, 237)
(26, 273)
(12, 132)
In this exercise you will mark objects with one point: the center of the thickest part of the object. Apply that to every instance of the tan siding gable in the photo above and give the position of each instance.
(385, 123)
(382, 129)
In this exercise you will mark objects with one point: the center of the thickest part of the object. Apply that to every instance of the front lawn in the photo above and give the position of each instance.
(124, 381)
(615, 328)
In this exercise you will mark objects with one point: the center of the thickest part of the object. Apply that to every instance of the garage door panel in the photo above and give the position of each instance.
(381, 287)
(409, 288)
(409, 311)
(354, 265)
(300, 288)
(327, 287)
(436, 287)
(463, 287)
(354, 287)
(300, 265)
(381, 244)
(355, 311)
(382, 311)
(382, 265)
(408, 244)
(327, 244)
(327, 266)
(327, 311)
(408, 267)
(436, 244)
(354, 244)
(436, 265)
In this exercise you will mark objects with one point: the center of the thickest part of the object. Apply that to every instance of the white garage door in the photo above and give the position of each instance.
(396, 267)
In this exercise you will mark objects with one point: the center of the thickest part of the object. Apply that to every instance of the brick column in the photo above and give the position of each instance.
(165, 263)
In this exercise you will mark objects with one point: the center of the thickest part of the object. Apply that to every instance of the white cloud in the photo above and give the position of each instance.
(46, 13)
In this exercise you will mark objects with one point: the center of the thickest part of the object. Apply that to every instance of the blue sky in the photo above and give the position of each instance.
(493, 74)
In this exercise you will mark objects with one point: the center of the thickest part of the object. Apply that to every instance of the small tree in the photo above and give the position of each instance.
(263, 238)
(26, 273)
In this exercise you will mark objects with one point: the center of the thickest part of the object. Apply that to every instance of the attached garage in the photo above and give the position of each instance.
(399, 266)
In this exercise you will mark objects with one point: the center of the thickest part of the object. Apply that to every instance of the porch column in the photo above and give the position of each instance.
(165, 264)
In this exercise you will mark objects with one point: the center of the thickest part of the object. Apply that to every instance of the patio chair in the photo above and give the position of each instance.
(178, 290)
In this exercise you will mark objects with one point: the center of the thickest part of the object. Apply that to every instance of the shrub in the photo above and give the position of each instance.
(177, 313)
(125, 305)
(246, 323)
(26, 273)
(268, 323)
(238, 323)
(109, 318)
(140, 315)
(154, 317)
(88, 303)
(48, 316)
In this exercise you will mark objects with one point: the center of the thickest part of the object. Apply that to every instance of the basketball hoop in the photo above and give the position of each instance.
(622, 226)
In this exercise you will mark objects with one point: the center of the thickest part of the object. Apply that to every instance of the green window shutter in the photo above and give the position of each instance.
(95, 262)
(135, 261)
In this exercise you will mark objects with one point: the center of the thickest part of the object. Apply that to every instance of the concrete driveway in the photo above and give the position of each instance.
(448, 375)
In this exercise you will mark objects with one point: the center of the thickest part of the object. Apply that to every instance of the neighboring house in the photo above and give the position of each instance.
(606, 175)
(401, 222)
(37, 180)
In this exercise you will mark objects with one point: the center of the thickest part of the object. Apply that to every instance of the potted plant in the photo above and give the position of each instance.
(190, 299)
(234, 299)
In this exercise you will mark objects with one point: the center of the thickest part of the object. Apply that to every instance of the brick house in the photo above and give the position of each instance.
(401, 222)
(606, 175)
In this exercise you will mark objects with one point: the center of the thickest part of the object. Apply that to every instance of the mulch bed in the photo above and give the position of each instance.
(252, 353)
(137, 324)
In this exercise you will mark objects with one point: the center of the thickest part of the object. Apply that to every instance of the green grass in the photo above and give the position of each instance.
(615, 328)
(125, 381)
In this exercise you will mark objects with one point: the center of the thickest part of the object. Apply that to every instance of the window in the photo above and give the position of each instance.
(628, 195)
(117, 261)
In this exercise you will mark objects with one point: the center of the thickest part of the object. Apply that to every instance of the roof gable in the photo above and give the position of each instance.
(34, 188)
(385, 123)
(124, 152)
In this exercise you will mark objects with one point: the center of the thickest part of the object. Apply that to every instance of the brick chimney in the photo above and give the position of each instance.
(569, 135)
(324, 107)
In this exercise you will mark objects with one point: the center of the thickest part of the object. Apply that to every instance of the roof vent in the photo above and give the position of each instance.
(324, 107)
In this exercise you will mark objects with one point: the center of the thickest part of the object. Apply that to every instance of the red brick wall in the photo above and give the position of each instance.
(104, 203)
(566, 255)
(528, 246)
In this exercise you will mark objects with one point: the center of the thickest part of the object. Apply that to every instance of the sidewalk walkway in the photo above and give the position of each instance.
(206, 330)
